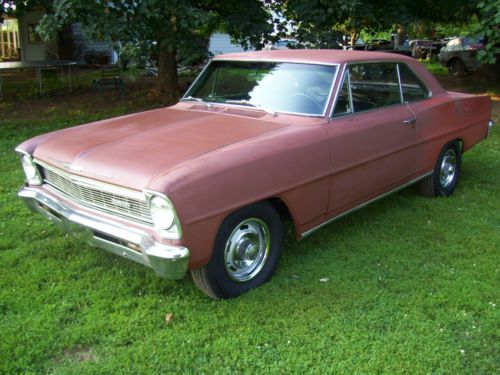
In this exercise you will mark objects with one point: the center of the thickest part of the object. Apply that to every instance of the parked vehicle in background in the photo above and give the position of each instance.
(460, 55)
(260, 137)
(282, 44)
(378, 45)
(423, 49)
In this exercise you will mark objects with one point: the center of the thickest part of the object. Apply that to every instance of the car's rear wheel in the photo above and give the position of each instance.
(446, 173)
(246, 252)
(457, 68)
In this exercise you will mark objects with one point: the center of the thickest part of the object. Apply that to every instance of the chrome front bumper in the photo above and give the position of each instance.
(169, 262)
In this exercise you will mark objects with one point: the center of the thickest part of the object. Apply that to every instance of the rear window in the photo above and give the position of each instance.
(454, 45)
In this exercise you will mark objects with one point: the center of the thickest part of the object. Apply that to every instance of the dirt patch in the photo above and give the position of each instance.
(474, 84)
(135, 98)
(78, 354)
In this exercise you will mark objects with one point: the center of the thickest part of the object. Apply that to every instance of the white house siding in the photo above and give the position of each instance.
(221, 43)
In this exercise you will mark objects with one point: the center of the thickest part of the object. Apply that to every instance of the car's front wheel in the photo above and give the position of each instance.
(446, 172)
(457, 68)
(246, 252)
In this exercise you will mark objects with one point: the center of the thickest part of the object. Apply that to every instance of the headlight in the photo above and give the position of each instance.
(164, 216)
(162, 212)
(31, 171)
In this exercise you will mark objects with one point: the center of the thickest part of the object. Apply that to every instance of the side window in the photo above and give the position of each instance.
(374, 85)
(413, 88)
(343, 106)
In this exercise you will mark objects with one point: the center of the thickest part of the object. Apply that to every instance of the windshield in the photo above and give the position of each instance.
(272, 86)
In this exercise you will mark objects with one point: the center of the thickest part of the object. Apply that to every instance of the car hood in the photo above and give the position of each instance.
(131, 150)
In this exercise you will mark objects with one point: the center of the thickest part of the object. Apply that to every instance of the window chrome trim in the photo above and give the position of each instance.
(327, 102)
(290, 61)
(400, 84)
(195, 80)
(351, 102)
(353, 112)
(430, 93)
(339, 87)
(373, 200)
(346, 75)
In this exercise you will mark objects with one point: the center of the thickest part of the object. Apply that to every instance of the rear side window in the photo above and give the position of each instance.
(374, 85)
(413, 88)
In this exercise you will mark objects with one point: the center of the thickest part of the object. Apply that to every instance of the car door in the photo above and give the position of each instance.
(372, 136)
(429, 117)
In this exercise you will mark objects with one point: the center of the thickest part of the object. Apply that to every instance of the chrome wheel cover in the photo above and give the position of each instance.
(247, 249)
(448, 168)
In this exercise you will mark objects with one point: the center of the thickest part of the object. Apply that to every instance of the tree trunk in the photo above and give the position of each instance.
(399, 37)
(65, 43)
(167, 84)
(354, 39)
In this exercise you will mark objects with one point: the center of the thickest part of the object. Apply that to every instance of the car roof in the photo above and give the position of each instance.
(334, 56)
(316, 56)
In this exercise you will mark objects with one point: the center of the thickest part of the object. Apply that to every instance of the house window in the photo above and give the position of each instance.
(9, 40)
(33, 36)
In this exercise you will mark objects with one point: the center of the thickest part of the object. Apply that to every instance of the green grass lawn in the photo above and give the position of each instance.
(412, 286)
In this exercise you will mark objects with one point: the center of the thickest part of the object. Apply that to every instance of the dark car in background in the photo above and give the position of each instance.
(460, 55)
(423, 48)
(378, 45)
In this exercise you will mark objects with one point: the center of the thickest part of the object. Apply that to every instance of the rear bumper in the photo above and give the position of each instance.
(169, 262)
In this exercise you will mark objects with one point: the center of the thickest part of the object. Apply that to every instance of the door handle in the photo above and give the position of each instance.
(410, 122)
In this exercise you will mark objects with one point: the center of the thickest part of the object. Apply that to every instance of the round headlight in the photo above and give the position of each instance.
(162, 212)
(30, 170)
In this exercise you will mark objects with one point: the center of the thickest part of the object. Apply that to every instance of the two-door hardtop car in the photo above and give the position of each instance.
(204, 185)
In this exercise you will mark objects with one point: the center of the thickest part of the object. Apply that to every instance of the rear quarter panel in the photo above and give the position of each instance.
(448, 117)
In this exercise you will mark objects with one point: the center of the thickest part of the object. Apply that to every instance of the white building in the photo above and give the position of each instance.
(220, 43)
(19, 41)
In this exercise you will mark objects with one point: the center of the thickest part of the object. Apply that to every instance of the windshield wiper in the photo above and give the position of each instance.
(199, 100)
(250, 104)
(192, 98)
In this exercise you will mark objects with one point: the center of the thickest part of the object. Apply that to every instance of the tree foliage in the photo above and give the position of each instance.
(162, 26)
(489, 27)
(168, 28)
(320, 22)
(316, 20)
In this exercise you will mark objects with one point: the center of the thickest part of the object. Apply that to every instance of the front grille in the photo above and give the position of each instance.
(96, 197)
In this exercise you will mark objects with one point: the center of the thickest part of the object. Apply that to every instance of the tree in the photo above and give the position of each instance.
(314, 21)
(321, 22)
(489, 27)
(164, 26)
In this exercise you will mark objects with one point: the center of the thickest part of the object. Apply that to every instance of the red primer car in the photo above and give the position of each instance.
(204, 185)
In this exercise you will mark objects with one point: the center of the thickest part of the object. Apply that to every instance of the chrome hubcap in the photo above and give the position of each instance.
(448, 168)
(247, 249)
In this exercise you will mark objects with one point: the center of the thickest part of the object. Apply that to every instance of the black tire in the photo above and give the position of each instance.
(457, 68)
(260, 232)
(443, 181)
